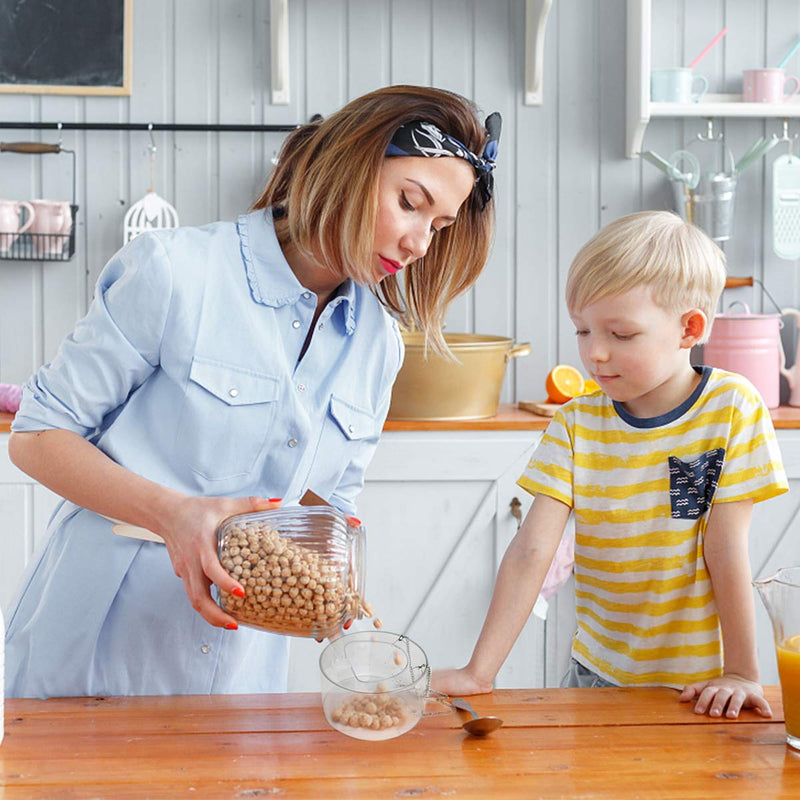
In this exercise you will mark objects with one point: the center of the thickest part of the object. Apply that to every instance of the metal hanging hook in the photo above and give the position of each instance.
(790, 140)
(710, 137)
(152, 149)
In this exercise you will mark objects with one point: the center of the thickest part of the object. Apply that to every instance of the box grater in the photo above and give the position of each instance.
(786, 206)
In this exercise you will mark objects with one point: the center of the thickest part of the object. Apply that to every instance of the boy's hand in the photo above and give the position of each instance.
(730, 691)
(455, 682)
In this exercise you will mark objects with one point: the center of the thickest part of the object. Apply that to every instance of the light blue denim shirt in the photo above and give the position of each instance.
(185, 370)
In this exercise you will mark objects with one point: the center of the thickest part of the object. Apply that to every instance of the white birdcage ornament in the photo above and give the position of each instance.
(152, 212)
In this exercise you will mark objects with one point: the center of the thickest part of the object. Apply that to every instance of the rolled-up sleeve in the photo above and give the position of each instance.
(111, 351)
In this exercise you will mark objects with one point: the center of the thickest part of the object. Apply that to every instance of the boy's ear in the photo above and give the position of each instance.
(694, 323)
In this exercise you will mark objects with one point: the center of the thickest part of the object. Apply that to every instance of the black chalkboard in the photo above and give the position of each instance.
(65, 46)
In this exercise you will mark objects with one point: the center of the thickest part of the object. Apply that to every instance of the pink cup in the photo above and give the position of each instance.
(767, 86)
(52, 224)
(11, 224)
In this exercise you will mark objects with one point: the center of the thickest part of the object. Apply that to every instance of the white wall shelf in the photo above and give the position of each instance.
(639, 108)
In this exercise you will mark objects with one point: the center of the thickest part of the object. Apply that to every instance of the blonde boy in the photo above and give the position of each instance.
(661, 469)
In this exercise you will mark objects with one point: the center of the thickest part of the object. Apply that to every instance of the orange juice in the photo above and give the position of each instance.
(789, 671)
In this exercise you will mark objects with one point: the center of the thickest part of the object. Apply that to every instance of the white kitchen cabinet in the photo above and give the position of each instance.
(639, 107)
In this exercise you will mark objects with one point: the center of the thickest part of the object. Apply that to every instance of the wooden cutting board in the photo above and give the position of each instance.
(542, 408)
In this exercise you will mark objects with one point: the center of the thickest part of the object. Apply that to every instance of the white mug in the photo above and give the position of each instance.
(675, 86)
(53, 222)
(11, 224)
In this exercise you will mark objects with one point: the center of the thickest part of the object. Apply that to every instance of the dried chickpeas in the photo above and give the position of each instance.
(288, 588)
(374, 711)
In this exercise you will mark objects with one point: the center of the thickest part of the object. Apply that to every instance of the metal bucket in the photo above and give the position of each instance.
(710, 206)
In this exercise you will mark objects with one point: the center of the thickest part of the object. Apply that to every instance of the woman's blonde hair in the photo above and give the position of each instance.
(680, 263)
(325, 187)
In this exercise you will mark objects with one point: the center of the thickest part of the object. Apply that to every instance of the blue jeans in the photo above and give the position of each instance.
(580, 677)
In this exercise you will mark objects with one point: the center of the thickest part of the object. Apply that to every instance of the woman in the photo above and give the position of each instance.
(224, 364)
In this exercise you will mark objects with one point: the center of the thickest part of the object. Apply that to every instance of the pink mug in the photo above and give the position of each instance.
(11, 224)
(767, 86)
(51, 226)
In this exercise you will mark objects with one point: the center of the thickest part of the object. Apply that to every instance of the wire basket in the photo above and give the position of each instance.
(56, 244)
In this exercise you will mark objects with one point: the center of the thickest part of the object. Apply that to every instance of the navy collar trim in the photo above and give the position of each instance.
(670, 416)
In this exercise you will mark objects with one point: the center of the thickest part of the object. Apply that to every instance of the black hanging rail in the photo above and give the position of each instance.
(146, 126)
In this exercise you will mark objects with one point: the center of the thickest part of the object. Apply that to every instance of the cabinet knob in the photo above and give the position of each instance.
(516, 510)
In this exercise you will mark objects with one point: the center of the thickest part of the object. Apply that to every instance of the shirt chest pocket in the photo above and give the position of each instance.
(347, 439)
(692, 484)
(226, 416)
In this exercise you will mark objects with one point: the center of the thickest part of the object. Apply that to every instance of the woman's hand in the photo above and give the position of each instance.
(455, 682)
(729, 691)
(190, 535)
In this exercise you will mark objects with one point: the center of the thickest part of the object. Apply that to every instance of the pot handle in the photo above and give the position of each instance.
(518, 350)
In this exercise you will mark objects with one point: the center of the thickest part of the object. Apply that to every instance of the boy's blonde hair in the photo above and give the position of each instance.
(326, 186)
(680, 263)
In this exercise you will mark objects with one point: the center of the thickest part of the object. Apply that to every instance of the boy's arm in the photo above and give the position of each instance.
(726, 556)
(519, 580)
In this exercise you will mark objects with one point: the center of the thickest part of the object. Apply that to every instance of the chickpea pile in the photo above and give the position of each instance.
(288, 588)
(374, 711)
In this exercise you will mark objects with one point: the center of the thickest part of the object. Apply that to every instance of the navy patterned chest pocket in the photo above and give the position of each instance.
(692, 483)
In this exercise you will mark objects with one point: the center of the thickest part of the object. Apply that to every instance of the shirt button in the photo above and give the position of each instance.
(321, 325)
(307, 295)
(296, 324)
(234, 392)
(292, 442)
(205, 649)
(301, 387)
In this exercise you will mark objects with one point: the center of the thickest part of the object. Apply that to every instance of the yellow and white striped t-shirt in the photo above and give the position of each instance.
(641, 490)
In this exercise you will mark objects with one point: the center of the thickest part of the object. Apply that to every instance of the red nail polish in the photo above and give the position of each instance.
(347, 624)
(238, 591)
(275, 499)
(231, 626)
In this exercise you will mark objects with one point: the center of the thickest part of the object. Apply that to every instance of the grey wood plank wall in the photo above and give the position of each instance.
(562, 171)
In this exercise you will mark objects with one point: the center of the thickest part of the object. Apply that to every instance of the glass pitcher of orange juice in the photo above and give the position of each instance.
(781, 596)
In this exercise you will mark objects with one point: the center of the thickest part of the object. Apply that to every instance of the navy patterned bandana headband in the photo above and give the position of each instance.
(420, 138)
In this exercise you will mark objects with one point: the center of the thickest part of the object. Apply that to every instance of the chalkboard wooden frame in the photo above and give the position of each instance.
(89, 88)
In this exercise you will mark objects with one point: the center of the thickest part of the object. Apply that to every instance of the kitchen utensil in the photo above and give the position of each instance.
(791, 52)
(11, 224)
(681, 166)
(756, 150)
(302, 569)
(430, 387)
(152, 212)
(477, 726)
(749, 344)
(780, 594)
(375, 685)
(708, 47)
(786, 206)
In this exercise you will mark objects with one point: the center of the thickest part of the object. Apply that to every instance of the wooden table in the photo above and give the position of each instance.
(598, 743)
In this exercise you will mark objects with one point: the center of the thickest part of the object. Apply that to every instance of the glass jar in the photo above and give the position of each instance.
(302, 569)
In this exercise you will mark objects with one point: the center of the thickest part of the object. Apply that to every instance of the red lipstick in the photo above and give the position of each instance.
(390, 266)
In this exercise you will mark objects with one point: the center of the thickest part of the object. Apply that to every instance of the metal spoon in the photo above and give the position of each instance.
(477, 726)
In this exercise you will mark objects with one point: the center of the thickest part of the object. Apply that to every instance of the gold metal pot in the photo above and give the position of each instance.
(437, 389)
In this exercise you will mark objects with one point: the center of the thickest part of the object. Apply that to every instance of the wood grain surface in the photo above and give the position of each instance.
(599, 743)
